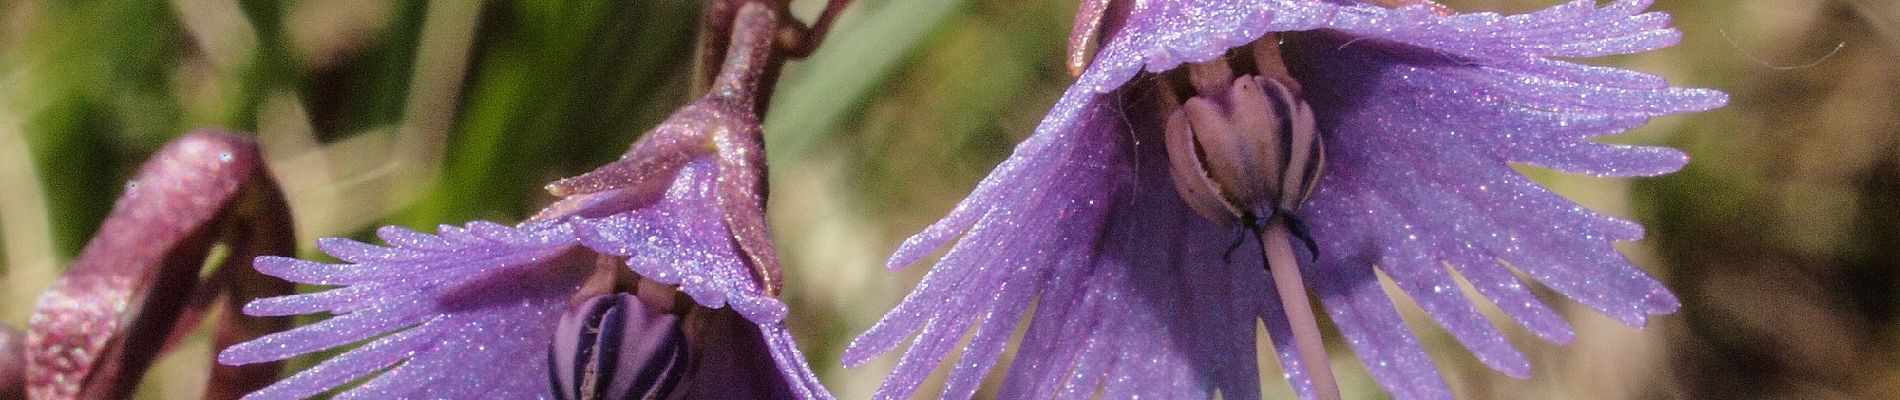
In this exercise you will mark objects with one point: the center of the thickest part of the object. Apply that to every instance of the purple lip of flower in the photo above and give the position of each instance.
(1420, 111)
(454, 314)
(135, 290)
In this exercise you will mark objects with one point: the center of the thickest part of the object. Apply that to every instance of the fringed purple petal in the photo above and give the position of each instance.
(1133, 295)
(404, 237)
(1035, 164)
(508, 339)
(1418, 147)
(680, 239)
(791, 362)
(1158, 36)
(1365, 316)
(992, 334)
(359, 362)
(1509, 294)
(456, 313)
(1031, 162)
(1002, 245)
(1421, 276)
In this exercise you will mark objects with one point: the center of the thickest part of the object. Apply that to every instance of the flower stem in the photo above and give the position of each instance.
(748, 54)
(1285, 267)
(820, 27)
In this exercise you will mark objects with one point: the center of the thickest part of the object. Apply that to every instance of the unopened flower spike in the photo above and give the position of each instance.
(1384, 128)
(135, 290)
(653, 277)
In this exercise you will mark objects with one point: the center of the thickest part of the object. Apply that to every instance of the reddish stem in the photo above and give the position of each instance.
(12, 364)
(748, 54)
(820, 27)
(132, 289)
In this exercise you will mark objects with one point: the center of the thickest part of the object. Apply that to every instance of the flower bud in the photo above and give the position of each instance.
(615, 347)
(1244, 151)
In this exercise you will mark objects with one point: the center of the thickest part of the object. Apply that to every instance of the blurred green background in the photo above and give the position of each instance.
(1782, 237)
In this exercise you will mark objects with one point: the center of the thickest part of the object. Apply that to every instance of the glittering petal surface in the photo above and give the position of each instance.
(457, 310)
(680, 239)
(1134, 293)
(1158, 36)
(1421, 114)
(453, 314)
(1418, 144)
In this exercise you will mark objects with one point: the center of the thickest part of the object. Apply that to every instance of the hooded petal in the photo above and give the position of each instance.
(681, 239)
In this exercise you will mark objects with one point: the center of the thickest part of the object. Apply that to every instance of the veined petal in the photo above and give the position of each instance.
(1132, 290)
(1048, 188)
(1158, 36)
(1422, 115)
(1418, 149)
(453, 316)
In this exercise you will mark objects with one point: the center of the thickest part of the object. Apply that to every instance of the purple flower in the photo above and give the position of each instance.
(1138, 293)
(473, 311)
(493, 311)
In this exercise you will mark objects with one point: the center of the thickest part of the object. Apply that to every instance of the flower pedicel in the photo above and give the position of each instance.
(135, 290)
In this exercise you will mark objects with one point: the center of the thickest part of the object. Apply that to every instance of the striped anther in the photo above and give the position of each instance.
(614, 347)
